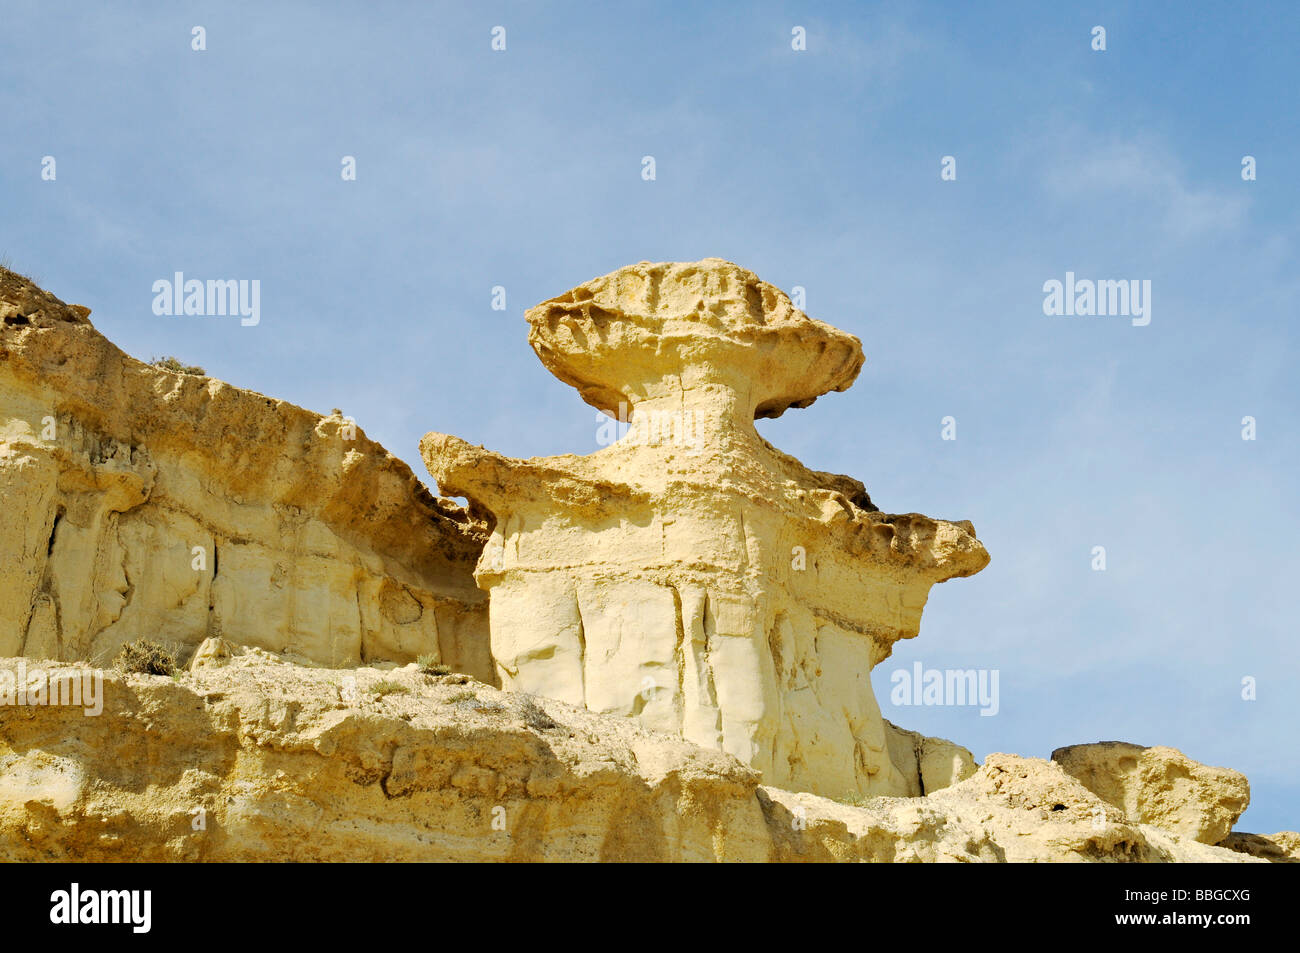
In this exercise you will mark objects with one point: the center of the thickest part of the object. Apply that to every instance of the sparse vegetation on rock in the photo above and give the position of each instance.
(176, 367)
(143, 657)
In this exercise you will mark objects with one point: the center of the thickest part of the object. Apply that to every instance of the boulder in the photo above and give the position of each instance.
(1160, 786)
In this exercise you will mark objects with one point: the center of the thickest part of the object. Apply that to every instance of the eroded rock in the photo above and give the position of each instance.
(690, 575)
(1280, 848)
(1160, 786)
(145, 503)
(927, 764)
(258, 759)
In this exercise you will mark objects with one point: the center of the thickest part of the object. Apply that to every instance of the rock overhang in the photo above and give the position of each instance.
(718, 574)
(655, 329)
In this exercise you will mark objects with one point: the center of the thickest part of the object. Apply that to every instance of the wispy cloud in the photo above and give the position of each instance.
(1079, 165)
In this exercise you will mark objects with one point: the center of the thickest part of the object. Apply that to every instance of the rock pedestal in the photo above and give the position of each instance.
(690, 575)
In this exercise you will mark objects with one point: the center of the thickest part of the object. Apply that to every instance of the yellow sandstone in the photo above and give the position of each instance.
(690, 575)
(139, 502)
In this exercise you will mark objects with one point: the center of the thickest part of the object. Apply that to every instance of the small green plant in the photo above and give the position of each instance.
(854, 800)
(170, 363)
(461, 697)
(429, 666)
(388, 687)
(145, 658)
(7, 265)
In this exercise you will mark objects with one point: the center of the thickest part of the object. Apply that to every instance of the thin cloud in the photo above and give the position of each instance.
(1144, 174)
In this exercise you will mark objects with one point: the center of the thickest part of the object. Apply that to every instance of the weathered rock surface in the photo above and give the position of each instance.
(690, 575)
(927, 764)
(1160, 786)
(140, 502)
(1280, 848)
(701, 611)
(249, 757)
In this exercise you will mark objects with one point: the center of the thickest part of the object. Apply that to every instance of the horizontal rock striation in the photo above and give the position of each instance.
(690, 575)
(250, 758)
(145, 503)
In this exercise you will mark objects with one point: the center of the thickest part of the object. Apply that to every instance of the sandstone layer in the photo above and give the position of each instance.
(690, 575)
(1160, 786)
(144, 503)
(251, 758)
(685, 622)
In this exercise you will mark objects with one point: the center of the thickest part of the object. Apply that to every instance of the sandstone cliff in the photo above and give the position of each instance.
(685, 622)
(141, 502)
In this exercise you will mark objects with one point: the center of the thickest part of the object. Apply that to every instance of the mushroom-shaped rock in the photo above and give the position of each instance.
(654, 330)
(689, 574)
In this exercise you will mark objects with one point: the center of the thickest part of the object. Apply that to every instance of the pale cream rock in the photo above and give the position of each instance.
(290, 762)
(258, 759)
(214, 651)
(1036, 812)
(690, 575)
(928, 764)
(650, 580)
(1014, 810)
(1160, 786)
(313, 541)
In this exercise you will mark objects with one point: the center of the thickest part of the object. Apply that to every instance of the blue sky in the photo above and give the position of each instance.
(817, 168)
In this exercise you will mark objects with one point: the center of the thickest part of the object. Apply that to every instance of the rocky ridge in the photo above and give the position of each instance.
(248, 757)
(142, 502)
(302, 729)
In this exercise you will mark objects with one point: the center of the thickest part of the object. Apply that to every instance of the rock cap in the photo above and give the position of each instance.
(651, 329)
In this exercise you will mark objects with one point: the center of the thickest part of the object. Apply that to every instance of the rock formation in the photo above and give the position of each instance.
(926, 764)
(690, 575)
(145, 503)
(1280, 848)
(685, 622)
(1160, 786)
(250, 758)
